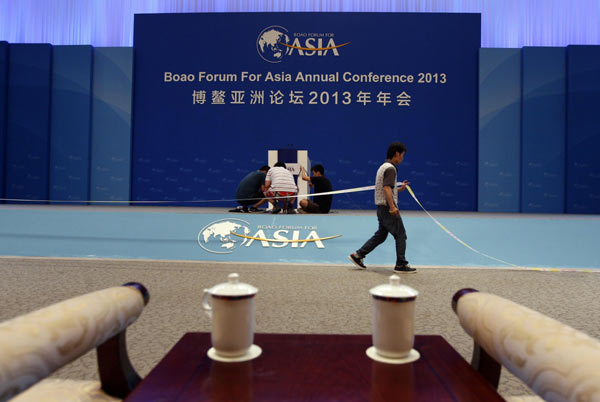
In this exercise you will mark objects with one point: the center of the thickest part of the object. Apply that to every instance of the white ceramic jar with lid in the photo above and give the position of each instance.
(393, 318)
(231, 309)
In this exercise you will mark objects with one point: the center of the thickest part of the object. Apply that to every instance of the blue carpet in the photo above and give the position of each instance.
(559, 241)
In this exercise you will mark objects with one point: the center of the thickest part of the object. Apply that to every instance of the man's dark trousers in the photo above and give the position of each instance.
(388, 223)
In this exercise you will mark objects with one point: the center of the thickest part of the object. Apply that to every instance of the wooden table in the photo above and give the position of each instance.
(297, 367)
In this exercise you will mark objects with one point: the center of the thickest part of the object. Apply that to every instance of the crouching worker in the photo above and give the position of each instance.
(320, 184)
(249, 192)
(281, 185)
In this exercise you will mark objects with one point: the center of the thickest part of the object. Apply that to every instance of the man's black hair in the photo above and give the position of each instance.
(265, 168)
(395, 147)
(318, 168)
(281, 164)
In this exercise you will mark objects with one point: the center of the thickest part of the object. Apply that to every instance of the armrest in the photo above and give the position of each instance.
(554, 360)
(34, 345)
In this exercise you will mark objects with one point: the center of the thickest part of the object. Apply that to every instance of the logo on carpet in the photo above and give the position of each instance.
(225, 235)
(216, 237)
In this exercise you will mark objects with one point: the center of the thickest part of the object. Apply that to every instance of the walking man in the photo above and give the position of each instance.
(388, 215)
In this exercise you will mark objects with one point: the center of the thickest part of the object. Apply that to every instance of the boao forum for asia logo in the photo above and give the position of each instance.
(223, 236)
(275, 43)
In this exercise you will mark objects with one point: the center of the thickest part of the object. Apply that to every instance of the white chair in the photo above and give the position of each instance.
(34, 345)
(556, 361)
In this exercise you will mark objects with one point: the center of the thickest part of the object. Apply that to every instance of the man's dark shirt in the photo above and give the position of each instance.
(250, 185)
(322, 185)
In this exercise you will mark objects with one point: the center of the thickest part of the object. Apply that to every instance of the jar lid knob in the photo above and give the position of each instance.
(395, 280)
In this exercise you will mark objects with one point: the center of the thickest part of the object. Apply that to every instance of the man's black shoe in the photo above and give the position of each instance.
(276, 209)
(405, 269)
(356, 260)
(254, 209)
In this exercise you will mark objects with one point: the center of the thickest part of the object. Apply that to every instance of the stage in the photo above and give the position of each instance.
(527, 241)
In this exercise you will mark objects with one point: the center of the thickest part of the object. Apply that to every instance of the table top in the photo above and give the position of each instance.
(301, 367)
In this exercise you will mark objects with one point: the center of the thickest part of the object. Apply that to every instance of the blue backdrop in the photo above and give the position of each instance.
(3, 85)
(28, 121)
(583, 130)
(543, 138)
(537, 142)
(195, 139)
(110, 155)
(499, 129)
(70, 122)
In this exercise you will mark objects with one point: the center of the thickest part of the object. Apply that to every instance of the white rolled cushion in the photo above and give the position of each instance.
(519, 398)
(59, 390)
(558, 362)
(34, 345)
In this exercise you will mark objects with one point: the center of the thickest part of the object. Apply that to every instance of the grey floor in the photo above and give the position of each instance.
(291, 299)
